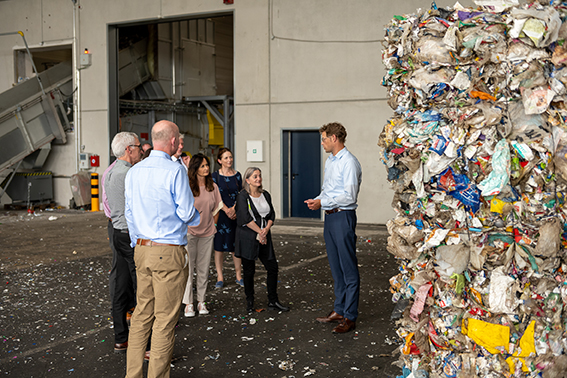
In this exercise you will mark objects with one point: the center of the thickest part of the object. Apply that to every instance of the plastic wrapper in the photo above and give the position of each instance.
(560, 159)
(537, 100)
(498, 5)
(526, 128)
(549, 241)
(500, 175)
(502, 296)
(433, 50)
(402, 240)
(476, 155)
(559, 57)
(419, 302)
(426, 78)
(452, 259)
(541, 26)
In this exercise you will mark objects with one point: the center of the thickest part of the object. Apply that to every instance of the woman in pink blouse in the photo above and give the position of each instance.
(200, 238)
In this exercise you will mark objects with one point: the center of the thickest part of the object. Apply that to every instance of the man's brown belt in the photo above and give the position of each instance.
(332, 211)
(150, 243)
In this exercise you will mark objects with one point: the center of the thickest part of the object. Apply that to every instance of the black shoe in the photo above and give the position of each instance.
(249, 307)
(277, 306)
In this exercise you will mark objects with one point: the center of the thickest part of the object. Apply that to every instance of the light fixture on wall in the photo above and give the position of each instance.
(86, 59)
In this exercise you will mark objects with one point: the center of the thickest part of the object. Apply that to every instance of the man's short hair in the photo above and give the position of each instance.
(121, 141)
(336, 129)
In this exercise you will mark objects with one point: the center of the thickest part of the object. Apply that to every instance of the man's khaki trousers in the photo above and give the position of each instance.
(161, 282)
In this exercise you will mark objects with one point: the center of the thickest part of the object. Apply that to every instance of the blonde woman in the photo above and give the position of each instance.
(255, 216)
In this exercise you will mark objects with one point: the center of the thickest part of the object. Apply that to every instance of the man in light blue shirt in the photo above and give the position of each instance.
(159, 208)
(343, 176)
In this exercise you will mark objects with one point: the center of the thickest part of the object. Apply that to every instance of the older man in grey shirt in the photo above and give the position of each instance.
(126, 147)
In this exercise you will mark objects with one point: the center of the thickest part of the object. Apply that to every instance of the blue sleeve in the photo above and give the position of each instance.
(183, 199)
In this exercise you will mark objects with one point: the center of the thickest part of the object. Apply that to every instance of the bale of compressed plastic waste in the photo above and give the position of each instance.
(476, 154)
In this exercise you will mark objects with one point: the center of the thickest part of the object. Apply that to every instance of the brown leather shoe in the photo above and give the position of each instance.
(345, 326)
(121, 347)
(333, 317)
(147, 356)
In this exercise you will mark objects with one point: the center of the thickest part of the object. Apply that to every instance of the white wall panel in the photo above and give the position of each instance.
(253, 124)
(25, 16)
(57, 20)
(95, 136)
(251, 57)
(176, 8)
(325, 72)
(112, 11)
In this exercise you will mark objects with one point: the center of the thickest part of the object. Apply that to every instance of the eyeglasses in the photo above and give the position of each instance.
(136, 145)
(324, 138)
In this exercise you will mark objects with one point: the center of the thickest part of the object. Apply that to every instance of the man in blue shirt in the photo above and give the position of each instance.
(343, 176)
(159, 208)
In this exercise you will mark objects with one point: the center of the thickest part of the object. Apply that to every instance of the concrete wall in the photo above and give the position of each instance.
(297, 64)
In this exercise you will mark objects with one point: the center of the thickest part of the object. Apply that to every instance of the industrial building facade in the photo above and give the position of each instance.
(259, 76)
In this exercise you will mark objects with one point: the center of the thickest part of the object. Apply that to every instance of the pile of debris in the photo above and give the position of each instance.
(476, 154)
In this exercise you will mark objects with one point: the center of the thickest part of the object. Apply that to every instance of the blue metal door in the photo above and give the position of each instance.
(301, 173)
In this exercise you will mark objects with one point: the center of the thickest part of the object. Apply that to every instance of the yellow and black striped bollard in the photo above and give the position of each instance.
(94, 192)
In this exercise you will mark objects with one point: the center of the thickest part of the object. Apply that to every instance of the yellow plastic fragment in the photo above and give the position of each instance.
(407, 346)
(477, 296)
(494, 338)
(496, 206)
(527, 343)
(512, 364)
(525, 348)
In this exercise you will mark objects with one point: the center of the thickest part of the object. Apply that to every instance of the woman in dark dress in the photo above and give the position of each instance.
(229, 182)
(255, 216)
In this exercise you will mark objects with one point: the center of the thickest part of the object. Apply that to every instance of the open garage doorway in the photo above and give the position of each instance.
(179, 70)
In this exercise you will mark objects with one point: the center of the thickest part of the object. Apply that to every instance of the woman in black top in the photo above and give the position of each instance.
(254, 217)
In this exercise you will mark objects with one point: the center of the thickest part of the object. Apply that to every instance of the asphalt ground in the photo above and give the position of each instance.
(55, 309)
